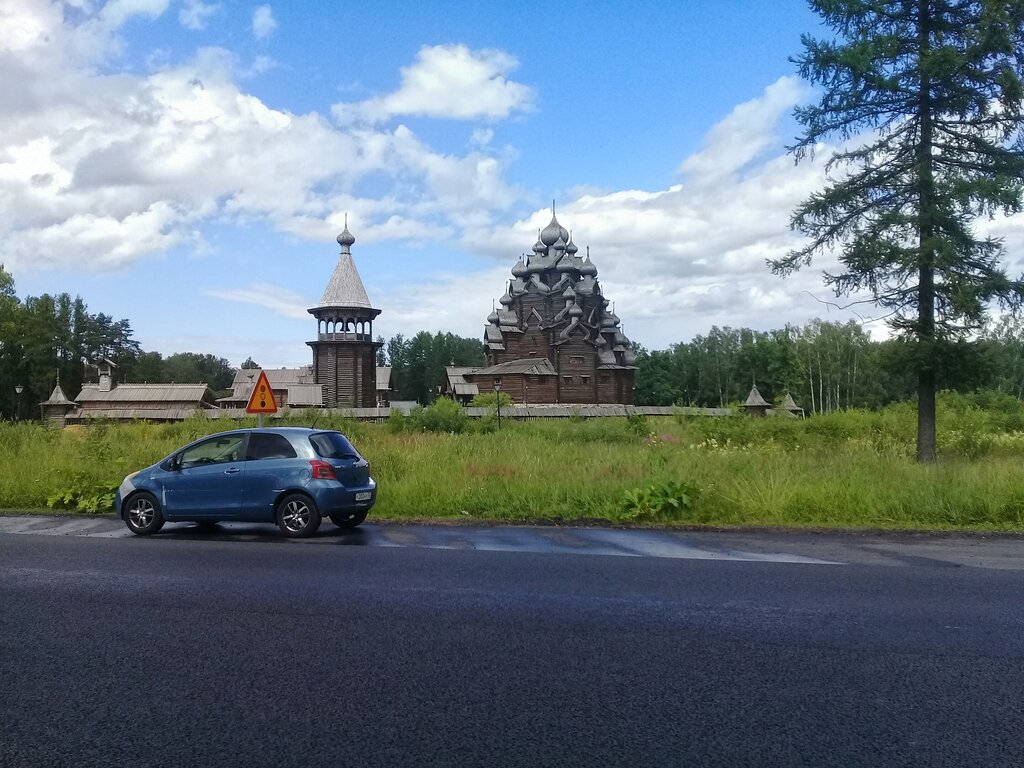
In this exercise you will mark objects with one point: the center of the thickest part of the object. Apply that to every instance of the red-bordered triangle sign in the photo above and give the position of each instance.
(262, 398)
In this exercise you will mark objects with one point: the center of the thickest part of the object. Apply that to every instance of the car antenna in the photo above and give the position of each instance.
(313, 425)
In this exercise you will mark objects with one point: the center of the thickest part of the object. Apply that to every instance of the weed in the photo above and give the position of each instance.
(667, 500)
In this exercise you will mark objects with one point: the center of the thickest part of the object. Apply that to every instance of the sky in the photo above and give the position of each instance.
(187, 165)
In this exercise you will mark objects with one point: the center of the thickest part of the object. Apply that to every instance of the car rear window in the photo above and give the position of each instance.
(333, 445)
(264, 445)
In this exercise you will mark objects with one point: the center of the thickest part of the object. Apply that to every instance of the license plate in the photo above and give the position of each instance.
(363, 496)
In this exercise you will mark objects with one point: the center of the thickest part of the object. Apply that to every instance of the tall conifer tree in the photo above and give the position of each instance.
(925, 98)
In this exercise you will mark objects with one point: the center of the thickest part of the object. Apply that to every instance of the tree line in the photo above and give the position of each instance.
(43, 337)
(418, 363)
(825, 366)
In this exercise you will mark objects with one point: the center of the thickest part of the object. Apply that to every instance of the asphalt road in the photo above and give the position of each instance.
(420, 646)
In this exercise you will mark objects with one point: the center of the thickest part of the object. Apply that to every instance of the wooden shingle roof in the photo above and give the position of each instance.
(57, 397)
(754, 400)
(145, 393)
(277, 377)
(532, 366)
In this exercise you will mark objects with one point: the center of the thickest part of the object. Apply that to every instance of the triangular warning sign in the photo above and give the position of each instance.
(262, 398)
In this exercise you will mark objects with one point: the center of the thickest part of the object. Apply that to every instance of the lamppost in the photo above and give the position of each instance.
(497, 398)
(18, 389)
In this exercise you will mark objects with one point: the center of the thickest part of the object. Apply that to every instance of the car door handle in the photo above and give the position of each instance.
(231, 471)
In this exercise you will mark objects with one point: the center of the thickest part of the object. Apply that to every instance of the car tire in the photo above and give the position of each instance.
(297, 516)
(349, 519)
(142, 514)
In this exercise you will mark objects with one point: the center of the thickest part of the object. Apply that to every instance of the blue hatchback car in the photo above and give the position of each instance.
(289, 475)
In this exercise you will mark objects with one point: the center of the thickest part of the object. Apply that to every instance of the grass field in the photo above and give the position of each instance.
(852, 469)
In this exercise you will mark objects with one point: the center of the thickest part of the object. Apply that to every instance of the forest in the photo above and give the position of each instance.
(826, 366)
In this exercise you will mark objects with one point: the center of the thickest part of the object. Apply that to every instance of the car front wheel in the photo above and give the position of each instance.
(349, 519)
(297, 516)
(142, 515)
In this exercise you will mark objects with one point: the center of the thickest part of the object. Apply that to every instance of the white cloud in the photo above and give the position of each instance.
(259, 65)
(263, 22)
(279, 300)
(194, 14)
(448, 81)
(481, 137)
(99, 170)
(744, 134)
(116, 12)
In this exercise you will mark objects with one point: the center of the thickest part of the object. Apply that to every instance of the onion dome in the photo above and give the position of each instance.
(539, 246)
(569, 294)
(575, 311)
(571, 248)
(609, 321)
(346, 239)
(506, 300)
(553, 231)
(559, 245)
(520, 269)
(493, 317)
(588, 269)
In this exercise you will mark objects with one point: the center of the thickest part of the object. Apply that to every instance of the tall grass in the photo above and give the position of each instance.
(852, 469)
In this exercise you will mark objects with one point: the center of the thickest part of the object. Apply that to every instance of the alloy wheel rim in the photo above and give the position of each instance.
(141, 513)
(296, 516)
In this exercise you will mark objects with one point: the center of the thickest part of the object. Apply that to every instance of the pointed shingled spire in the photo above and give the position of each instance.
(789, 404)
(57, 397)
(754, 399)
(345, 288)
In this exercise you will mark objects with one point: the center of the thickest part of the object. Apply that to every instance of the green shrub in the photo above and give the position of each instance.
(83, 494)
(490, 400)
(637, 424)
(667, 500)
(398, 422)
(443, 415)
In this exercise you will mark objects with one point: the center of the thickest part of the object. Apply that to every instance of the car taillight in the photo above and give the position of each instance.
(322, 470)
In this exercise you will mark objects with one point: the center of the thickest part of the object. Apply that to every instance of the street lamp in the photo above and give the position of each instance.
(497, 398)
(18, 389)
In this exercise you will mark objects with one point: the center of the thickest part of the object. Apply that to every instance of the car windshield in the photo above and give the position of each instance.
(333, 445)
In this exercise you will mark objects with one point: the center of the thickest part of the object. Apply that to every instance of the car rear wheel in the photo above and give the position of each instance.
(297, 516)
(349, 519)
(142, 515)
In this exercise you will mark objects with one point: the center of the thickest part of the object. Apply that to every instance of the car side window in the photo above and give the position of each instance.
(219, 450)
(263, 445)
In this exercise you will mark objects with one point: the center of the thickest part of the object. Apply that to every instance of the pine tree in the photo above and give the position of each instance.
(933, 89)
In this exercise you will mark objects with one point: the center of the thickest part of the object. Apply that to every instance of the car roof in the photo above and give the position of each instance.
(276, 430)
(283, 431)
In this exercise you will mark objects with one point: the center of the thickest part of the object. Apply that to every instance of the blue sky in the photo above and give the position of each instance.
(187, 165)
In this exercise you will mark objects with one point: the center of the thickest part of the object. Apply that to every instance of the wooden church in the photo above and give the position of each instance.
(554, 338)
